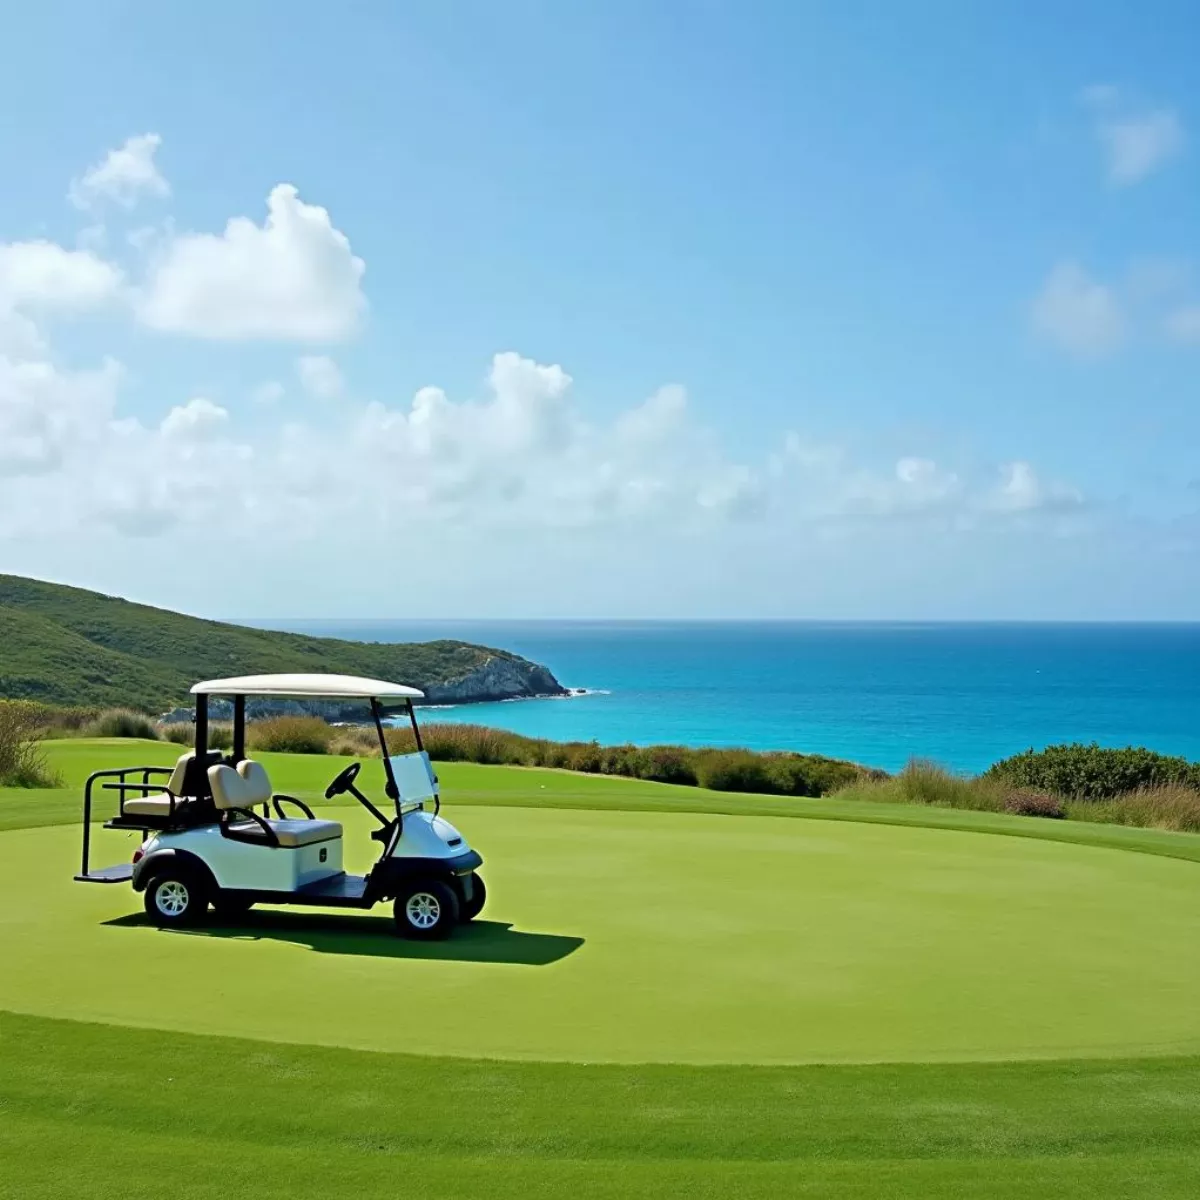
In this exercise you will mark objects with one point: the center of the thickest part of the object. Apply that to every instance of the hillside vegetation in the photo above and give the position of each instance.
(66, 646)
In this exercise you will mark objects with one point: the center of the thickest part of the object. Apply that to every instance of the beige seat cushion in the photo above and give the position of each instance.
(178, 780)
(152, 806)
(243, 788)
(160, 805)
(292, 834)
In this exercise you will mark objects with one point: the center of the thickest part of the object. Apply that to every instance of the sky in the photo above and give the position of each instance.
(654, 309)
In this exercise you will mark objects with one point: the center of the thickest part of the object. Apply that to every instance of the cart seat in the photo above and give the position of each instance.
(152, 806)
(249, 786)
(292, 833)
(159, 806)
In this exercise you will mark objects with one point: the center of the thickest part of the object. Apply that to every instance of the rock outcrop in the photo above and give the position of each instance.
(500, 677)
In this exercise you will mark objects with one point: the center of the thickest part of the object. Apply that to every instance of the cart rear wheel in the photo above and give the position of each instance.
(473, 907)
(176, 897)
(426, 911)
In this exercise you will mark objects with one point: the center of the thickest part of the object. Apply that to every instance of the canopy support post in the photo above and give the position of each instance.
(392, 790)
(239, 729)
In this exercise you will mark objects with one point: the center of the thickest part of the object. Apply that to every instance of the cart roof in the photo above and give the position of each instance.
(342, 686)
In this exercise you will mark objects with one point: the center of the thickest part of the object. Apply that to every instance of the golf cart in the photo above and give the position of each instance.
(205, 841)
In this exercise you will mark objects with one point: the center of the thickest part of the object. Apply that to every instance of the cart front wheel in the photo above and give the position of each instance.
(175, 898)
(474, 906)
(426, 911)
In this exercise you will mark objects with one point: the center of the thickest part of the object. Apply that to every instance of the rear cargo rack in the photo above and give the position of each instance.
(122, 785)
(121, 873)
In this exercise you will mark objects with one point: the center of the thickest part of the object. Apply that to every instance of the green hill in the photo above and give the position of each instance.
(63, 645)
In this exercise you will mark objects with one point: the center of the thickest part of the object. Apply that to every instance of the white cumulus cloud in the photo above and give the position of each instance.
(1135, 141)
(293, 278)
(47, 413)
(123, 176)
(44, 275)
(1078, 313)
(197, 420)
(320, 376)
(1021, 490)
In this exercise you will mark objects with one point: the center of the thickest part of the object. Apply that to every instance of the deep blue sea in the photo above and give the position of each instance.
(962, 694)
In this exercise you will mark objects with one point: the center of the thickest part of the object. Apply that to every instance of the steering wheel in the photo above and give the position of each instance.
(344, 782)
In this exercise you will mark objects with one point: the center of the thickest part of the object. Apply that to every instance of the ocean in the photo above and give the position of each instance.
(964, 695)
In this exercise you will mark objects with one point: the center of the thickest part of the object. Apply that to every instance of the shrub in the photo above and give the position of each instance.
(1023, 803)
(22, 761)
(64, 722)
(291, 735)
(1169, 806)
(667, 764)
(182, 733)
(732, 771)
(585, 757)
(220, 736)
(122, 723)
(460, 743)
(1094, 772)
(812, 774)
(925, 782)
(354, 741)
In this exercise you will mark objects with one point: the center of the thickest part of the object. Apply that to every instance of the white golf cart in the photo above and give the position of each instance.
(205, 842)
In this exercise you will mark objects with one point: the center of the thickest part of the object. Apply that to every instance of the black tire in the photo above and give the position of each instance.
(427, 911)
(473, 907)
(230, 906)
(176, 897)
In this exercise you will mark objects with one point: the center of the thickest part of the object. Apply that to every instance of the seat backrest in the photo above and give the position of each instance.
(240, 788)
(178, 781)
(415, 780)
(255, 774)
(186, 778)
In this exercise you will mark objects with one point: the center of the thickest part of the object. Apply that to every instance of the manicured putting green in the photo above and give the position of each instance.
(647, 937)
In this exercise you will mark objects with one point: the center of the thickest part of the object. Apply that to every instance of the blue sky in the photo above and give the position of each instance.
(802, 310)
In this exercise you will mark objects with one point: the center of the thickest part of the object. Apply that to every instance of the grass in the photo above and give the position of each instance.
(305, 776)
(234, 1118)
(649, 927)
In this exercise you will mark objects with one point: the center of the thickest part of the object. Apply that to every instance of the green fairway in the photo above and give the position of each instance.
(677, 937)
(573, 1041)
(86, 1106)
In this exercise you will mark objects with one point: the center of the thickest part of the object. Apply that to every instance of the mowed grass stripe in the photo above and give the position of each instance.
(90, 1109)
(306, 776)
(652, 937)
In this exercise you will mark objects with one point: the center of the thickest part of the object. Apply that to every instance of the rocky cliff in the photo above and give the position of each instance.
(500, 677)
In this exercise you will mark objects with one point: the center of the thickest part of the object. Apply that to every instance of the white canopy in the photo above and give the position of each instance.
(339, 686)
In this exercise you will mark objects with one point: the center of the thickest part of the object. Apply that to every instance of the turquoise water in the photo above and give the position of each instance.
(964, 695)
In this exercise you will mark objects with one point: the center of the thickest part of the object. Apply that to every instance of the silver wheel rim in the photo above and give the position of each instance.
(171, 898)
(423, 910)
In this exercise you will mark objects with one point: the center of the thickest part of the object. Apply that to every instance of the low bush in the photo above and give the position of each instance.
(1023, 803)
(1170, 806)
(183, 733)
(667, 764)
(121, 723)
(64, 722)
(291, 735)
(813, 774)
(925, 782)
(1093, 772)
(220, 736)
(354, 741)
(22, 760)
(733, 771)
